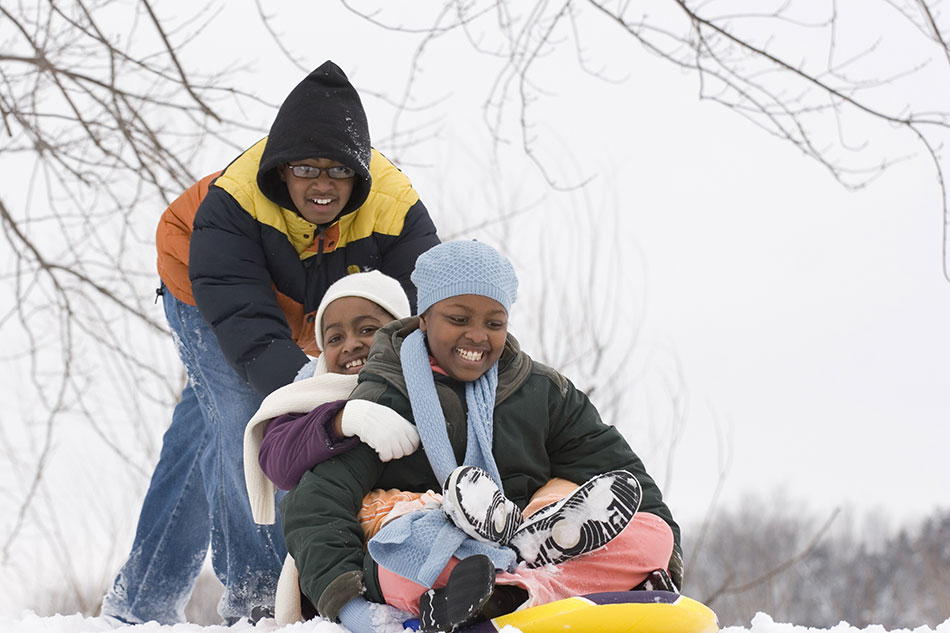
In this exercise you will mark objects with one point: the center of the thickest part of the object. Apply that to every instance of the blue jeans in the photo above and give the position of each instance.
(197, 495)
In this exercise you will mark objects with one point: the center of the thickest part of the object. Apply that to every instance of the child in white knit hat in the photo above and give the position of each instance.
(351, 312)
(535, 484)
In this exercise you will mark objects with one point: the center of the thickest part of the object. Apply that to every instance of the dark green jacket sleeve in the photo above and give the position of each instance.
(321, 528)
(322, 531)
(581, 445)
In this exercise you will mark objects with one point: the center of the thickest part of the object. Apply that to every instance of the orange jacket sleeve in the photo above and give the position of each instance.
(173, 237)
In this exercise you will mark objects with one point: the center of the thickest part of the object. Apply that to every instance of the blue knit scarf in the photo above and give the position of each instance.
(419, 545)
(430, 419)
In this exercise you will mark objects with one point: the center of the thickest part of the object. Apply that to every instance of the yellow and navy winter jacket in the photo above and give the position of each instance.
(235, 245)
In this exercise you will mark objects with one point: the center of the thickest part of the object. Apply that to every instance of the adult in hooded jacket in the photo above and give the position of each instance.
(245, 257)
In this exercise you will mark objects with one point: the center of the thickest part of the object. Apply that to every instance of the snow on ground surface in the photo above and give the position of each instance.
(28, 622)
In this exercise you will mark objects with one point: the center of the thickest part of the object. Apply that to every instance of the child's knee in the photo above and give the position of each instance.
(653, 538)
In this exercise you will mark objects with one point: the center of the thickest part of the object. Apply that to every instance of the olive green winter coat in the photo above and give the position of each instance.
(543, 427)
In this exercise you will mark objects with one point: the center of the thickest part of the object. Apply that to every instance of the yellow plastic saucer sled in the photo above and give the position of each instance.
(615, 612)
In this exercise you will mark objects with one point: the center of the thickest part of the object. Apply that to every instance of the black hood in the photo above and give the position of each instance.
(322, 117)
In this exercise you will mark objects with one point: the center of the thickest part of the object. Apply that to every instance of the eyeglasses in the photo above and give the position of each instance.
(338, 172)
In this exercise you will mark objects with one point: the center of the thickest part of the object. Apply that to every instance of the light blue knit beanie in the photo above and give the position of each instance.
(464, 267)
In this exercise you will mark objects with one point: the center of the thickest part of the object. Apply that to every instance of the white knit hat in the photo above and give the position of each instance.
(374, 286)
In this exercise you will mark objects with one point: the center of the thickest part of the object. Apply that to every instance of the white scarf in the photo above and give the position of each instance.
(298, 397)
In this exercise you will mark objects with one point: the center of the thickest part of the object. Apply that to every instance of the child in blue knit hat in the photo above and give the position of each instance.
(535, 485)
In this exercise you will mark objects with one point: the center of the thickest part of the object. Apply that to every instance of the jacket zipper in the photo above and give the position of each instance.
(320, 243)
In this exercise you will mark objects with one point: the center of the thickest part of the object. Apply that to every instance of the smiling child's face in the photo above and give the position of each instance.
(349, 324)
(466, 334)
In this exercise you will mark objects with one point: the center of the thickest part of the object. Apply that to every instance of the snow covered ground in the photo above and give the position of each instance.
(28, 622)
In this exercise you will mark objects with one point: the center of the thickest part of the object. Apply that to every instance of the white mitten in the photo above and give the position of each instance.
(384, 430)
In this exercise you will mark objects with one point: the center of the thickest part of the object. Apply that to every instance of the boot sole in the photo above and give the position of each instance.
(460, 601)
(536, 540)
(483, 528)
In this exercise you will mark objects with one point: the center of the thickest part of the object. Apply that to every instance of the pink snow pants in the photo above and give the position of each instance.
(643, 546)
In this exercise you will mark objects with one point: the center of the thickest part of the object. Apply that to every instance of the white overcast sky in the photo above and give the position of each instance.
(810, 322)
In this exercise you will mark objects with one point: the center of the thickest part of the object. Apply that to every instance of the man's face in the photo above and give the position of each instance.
(319, 200)
(349, 324)
(466, 334)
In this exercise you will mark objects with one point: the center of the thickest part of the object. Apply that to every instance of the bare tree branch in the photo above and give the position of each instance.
(727, 586)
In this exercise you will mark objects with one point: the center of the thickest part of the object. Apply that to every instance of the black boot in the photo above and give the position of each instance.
(657, 580)
(504, 600)
(585, 520)
(461, 600)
